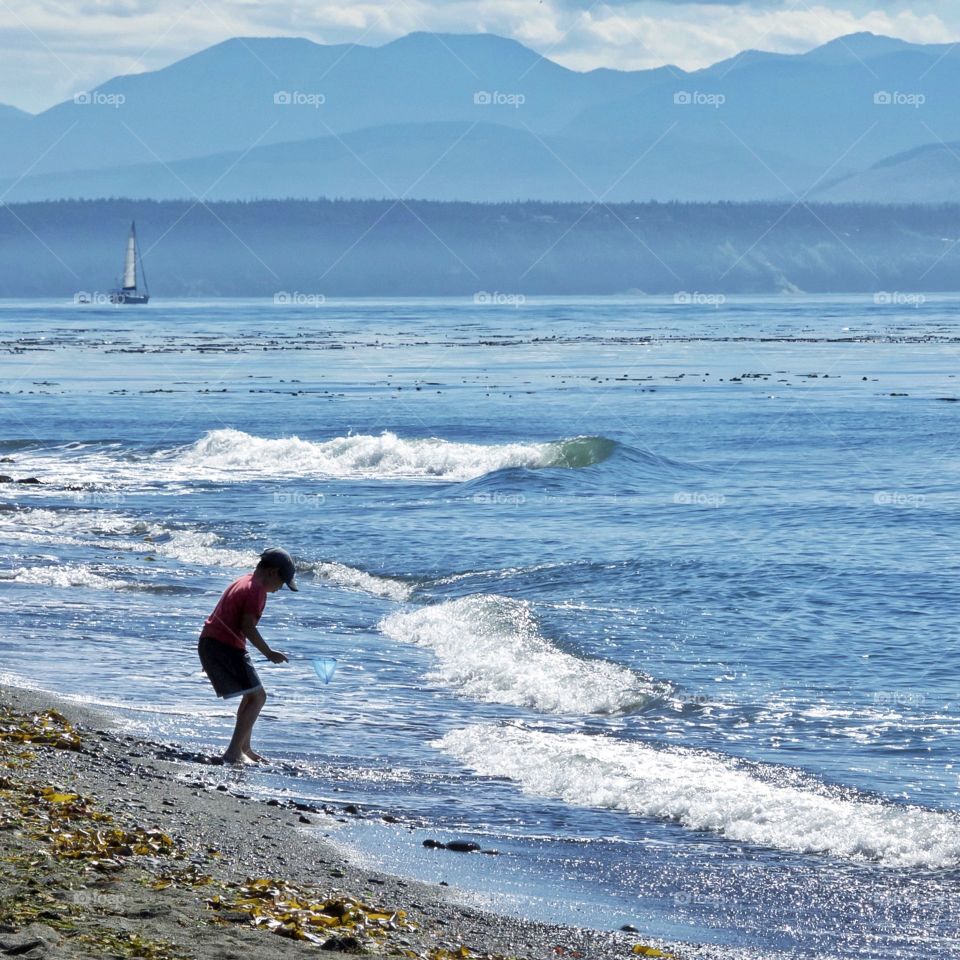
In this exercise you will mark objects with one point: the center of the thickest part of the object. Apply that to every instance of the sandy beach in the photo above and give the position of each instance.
(114, 846)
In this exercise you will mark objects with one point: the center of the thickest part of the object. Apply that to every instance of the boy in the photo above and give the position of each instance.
(223, 645)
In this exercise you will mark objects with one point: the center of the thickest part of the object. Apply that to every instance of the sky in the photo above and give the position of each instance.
(52, 49)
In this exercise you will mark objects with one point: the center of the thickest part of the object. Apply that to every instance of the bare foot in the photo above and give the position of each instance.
(252, 754)
(234, 758)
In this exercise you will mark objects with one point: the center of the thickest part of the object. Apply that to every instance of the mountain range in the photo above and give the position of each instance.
(483, 118)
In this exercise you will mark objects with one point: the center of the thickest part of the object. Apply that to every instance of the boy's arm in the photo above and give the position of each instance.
(249, 627)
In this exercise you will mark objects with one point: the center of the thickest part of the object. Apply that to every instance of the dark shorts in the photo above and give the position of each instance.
(229, 669)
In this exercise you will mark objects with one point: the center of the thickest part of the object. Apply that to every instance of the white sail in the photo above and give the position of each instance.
(130, 263)
(128, 293)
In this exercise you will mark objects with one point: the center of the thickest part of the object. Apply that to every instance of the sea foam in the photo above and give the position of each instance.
(491, 648)
(226, 454)
(707, 792)
(97, 471)
(112, 531)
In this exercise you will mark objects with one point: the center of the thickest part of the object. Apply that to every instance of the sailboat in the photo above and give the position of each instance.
(129, 293)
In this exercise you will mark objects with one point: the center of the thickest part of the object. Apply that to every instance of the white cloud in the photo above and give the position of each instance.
(694, 37)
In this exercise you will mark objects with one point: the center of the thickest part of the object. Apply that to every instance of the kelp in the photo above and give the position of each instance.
(33, 903)
(299, 913)
(107, 847)
(49, 728)
(119, 943)
(75, 830)
(644, 951)
(187, 877)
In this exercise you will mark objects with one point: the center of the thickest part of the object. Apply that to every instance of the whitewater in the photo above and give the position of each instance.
(228, 455)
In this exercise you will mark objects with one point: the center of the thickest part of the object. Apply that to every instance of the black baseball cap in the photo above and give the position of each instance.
(279, 559)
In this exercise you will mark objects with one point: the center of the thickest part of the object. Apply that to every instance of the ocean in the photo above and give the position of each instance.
(657, 599)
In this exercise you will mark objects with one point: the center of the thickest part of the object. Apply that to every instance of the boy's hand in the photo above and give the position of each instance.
(275, 656)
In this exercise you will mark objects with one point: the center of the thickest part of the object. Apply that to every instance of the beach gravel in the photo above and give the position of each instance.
(116, 846)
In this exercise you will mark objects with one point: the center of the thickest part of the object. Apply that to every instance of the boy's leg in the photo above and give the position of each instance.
(248, 751)
(247, 713)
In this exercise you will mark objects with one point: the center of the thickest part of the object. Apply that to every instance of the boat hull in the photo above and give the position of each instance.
(129, 297)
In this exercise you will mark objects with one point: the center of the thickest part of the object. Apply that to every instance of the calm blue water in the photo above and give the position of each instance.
(660, 601)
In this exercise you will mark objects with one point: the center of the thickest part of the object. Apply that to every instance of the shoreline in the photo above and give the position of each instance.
(116, 845)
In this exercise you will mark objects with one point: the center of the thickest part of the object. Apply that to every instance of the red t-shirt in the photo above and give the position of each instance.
(241, 597)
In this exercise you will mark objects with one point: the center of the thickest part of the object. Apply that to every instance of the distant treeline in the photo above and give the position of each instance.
(424, 248)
